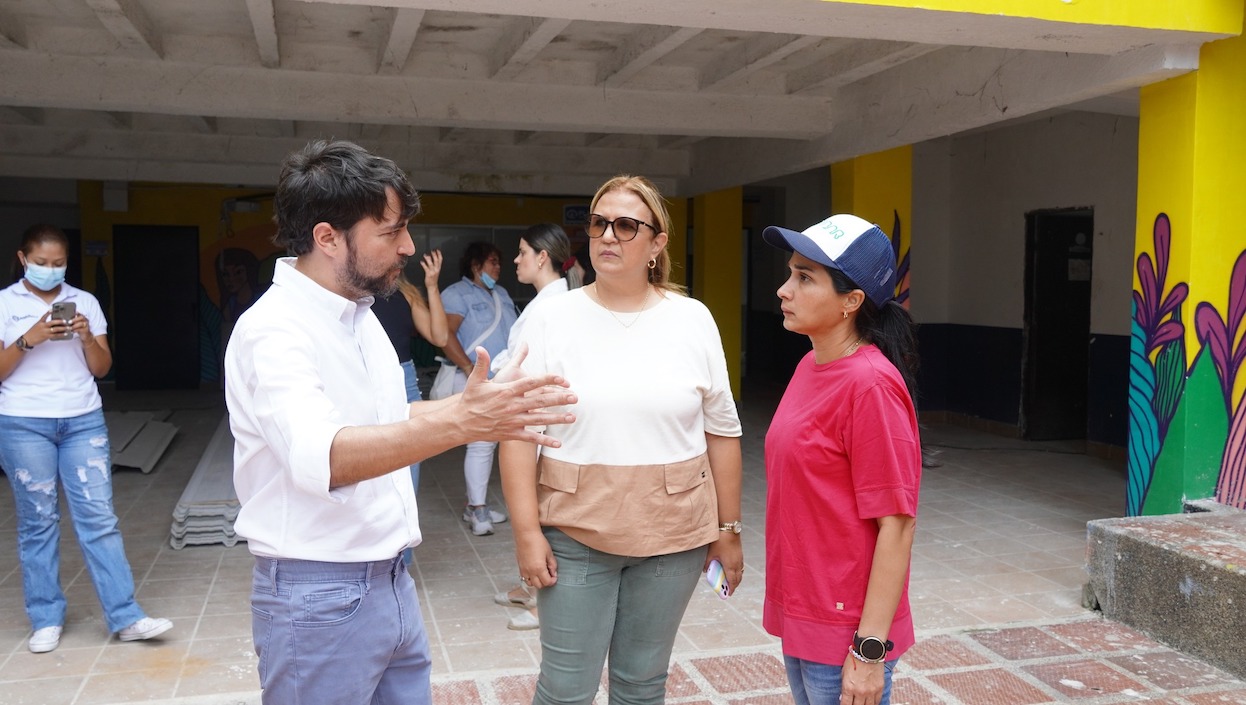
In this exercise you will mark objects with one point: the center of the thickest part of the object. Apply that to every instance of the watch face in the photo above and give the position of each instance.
(872, 648)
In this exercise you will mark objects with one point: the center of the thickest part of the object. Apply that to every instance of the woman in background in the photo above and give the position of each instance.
(480, 314)
(843, 468)
(405, 313)
(52, 436)
(545, 262)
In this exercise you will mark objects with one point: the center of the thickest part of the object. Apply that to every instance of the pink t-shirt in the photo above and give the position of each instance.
(841, 452)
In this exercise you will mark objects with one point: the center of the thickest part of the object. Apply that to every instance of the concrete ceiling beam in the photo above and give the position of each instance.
(853, 64)
(119, 84)
(954, 90)
(521, 45)
(403, 27)
(264, 25)
(127, 21)
(21, 116)
(644, 48)
(502, 159)
(837, 19)
(12, 35)
(737, 62)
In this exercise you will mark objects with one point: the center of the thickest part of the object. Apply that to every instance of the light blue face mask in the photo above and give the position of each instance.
(44, 278)
(487, 280)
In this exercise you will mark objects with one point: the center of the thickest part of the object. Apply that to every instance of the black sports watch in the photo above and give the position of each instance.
(871, 648)
(23, 345)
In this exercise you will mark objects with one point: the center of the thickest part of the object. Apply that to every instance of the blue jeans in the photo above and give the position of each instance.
(816, 683)
(339, 633)
(603, 604)
(37, 454)
(412, 380)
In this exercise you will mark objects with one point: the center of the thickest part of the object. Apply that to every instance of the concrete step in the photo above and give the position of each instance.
(1179, 578)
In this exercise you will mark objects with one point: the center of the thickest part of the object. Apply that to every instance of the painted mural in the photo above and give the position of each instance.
(902, 264)
(1187, 429)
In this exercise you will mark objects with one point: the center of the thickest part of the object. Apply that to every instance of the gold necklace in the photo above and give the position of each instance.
(851, 348)
(648, 291)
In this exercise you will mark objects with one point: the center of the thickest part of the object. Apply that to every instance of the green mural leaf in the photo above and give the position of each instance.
(1195, 439)
(1169, 379)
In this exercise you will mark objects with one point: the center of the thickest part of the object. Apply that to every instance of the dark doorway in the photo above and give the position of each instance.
(1059, 250)
(155, 329)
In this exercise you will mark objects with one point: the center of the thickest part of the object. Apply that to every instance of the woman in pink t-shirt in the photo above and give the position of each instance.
(843, 468)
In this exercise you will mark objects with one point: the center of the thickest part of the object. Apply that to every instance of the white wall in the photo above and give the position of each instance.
(974, 246)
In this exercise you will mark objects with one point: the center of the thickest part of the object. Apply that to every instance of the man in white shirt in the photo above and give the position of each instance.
(324, 435)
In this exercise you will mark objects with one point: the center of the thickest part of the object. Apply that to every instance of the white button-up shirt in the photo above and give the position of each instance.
(302, 364)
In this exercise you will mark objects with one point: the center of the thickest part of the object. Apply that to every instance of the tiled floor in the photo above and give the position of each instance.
(996, 589)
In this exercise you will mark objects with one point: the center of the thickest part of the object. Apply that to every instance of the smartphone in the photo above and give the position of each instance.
(717, 579)
(65, 311)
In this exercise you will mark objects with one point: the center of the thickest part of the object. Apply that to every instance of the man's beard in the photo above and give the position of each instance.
(383, 285)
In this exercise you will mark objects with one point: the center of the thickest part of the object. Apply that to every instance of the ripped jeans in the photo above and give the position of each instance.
(37, 454)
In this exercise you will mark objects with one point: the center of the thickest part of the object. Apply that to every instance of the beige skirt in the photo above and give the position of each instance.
(630, 510)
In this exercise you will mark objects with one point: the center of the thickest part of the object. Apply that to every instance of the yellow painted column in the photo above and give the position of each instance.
(879, 188)
(1187, 422)
(677, 245)
(718, 268)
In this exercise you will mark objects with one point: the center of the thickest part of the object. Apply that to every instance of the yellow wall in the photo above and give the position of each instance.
(1191, 149)
(718, 268)
(1215, 16)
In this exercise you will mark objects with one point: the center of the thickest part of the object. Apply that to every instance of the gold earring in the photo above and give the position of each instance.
(845, 314)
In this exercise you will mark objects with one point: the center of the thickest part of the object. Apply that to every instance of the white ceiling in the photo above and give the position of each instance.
(532, 96)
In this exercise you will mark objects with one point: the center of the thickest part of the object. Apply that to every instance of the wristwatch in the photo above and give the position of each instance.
(23, 345)
(734, 527)
(870, 648)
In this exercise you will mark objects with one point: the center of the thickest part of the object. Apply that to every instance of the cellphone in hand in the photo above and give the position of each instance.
(717, 579)
(65, 311)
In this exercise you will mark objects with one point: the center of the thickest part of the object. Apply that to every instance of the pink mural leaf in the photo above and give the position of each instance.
(1138, 306)
(1162, 234)
(1231, 487)
(1237, 307)
(1149, 290)
(1175, 298)
(1166, 333)
(1214, 333)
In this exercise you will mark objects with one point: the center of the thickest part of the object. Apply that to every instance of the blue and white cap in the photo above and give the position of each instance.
(854, 246)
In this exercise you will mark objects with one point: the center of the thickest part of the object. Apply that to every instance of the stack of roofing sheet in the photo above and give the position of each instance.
(206, 512)
(138, 438)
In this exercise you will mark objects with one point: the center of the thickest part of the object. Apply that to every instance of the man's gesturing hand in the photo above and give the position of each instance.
(502, 410)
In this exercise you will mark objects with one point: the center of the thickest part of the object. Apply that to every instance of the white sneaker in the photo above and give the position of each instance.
(145, 628)
(496, 517)
(44, 640)
(479, 518)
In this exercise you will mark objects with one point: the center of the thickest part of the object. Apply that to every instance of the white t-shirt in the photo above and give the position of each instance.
(52, 381)
(302, 364)
(648, 393)
(554, 288)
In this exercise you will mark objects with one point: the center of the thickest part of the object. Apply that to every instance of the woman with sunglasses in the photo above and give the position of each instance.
(615, 526)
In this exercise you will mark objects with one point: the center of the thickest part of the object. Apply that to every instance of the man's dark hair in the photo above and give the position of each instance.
(339, 183)
(474, 257)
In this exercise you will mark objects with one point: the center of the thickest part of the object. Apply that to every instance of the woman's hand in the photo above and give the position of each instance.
(862, 683)
(537, 566)
(45, 329)
(431, 262)
(80, 326)
(730, 554)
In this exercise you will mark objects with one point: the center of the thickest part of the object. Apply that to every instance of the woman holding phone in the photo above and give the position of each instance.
(52, 435)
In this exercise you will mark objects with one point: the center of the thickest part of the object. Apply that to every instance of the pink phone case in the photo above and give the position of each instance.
(717, 579)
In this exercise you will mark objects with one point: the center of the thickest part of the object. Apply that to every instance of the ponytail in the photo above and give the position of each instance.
(890, 328)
